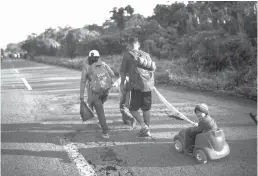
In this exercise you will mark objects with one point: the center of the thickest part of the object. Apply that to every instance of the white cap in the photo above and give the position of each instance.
(94, 53)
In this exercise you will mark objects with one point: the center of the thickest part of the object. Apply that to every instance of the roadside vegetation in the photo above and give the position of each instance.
(202, 45)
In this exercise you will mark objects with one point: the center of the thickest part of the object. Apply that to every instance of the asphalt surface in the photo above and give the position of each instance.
(34, 124)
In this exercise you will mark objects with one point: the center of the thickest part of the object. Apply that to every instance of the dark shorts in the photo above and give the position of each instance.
(140, 100)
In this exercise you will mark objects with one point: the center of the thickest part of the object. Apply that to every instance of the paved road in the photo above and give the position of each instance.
(42, 133)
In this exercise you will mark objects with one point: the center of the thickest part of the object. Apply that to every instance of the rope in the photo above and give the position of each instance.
(164, 101)
(172, 108)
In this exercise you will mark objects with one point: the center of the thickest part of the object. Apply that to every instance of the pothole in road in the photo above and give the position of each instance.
(112, 164)
(109, 155)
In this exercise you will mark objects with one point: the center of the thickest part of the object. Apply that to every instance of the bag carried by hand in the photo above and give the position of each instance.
(85, 112)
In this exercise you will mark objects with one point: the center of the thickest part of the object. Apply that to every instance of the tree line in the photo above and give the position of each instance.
(213, 36)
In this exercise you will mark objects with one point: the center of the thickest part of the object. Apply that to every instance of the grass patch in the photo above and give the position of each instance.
(171, 73)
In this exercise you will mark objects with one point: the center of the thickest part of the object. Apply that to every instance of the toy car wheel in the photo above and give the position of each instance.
(178, 145)
(200, 156)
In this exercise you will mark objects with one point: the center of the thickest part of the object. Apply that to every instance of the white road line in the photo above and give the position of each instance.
(26, 84)
(83, 167)
(17, 71)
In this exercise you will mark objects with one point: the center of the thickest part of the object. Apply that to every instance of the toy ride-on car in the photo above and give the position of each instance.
(210, 145)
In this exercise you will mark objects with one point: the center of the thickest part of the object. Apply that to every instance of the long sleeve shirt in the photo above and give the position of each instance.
(205, 124)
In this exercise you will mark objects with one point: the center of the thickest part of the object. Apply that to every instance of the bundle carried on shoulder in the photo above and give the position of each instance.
(142, 75)
(143, 59)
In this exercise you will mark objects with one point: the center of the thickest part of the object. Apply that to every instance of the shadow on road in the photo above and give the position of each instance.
(40, 133)
(126, 149)
(48, 154)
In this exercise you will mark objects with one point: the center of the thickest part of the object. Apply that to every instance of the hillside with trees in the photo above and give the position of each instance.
(213, 38)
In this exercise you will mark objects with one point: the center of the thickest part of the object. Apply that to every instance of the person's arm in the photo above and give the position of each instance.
(83, 82)
(123, 70)
(200, 128)
(110, 71)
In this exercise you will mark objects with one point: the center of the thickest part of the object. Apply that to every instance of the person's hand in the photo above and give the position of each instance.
(115, 84)
(195, 124)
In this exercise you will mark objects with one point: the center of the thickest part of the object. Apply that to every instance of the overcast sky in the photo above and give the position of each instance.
(19, 18)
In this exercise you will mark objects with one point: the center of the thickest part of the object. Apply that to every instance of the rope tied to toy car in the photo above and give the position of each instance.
(171, 107)
(165, 102)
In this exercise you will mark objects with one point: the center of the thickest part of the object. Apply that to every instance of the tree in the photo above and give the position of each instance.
(13, 47)
(94, 27)
(49, 33)
(129, 10)
(61, 34)
(40, 45)
(2, 52)
(118, 15)
(71, 42)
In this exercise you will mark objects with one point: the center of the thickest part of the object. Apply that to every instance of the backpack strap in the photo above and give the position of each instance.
(134, 53)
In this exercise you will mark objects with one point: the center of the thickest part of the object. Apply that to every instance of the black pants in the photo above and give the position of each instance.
(140, 100)
(95, 100)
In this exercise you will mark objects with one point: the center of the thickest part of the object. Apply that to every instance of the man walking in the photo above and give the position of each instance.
(139, 67)
(97, 78)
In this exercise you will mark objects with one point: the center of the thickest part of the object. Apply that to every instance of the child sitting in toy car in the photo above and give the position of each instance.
(206, 123)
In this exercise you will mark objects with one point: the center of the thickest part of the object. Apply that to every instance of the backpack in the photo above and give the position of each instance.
(141, 77)
(100, 78)
(143, 60)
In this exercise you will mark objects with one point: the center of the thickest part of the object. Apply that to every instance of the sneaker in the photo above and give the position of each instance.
(105, 135)
(144, 132)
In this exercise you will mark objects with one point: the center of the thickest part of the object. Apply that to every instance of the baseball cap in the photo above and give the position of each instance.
(94, 53)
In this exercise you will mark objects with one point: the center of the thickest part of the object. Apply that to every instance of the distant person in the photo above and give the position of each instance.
(97, 78)
(139, 67)
(206, 123)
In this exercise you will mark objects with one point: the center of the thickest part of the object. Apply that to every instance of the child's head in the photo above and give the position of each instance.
(201, 110)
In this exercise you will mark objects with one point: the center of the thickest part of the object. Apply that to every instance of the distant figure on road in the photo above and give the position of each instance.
(97, 77)
(139, 67)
